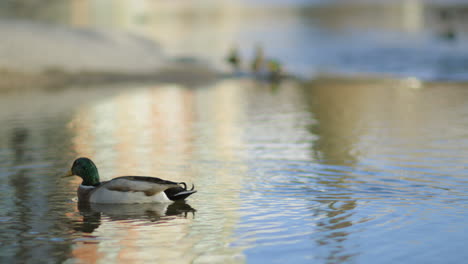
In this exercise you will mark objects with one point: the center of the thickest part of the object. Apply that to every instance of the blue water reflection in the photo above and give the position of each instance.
(349, 200)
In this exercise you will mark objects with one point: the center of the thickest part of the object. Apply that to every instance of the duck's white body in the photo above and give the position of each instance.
(126, 190)
(106, 196)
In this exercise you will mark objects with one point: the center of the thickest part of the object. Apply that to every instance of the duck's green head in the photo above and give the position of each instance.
(85, 168)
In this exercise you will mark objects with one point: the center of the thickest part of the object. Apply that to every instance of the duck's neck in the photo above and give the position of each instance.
(91, 178)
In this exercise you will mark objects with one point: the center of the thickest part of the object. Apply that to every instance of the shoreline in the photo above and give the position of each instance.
(190, 76)
(55, 79)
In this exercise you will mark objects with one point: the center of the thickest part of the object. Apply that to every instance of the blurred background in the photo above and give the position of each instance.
(314, 131)
(412, 38)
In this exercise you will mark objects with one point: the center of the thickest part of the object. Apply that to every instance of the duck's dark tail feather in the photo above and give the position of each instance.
(179, 193)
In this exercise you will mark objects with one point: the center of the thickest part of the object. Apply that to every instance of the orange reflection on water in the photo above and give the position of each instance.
(137, 132)
(86, 252)
(164, 131)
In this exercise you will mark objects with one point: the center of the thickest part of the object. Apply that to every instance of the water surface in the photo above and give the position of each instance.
(329, 171)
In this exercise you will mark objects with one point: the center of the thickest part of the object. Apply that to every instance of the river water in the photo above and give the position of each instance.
(329, 171)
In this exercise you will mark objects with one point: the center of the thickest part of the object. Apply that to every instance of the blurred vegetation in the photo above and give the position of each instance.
(31, 9)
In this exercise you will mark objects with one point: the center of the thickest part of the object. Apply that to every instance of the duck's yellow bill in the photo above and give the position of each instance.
(68, 174)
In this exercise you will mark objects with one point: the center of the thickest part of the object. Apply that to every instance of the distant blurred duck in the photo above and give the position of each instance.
(275, 70)
(125, 189)
(258, 60)
(233, 59)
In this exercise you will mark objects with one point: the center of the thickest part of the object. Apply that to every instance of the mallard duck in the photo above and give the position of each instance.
(234, 59)
(124, 189)
(258, 60)
(275, 70)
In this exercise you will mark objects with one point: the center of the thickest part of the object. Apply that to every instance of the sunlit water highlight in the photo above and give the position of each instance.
(335, 172)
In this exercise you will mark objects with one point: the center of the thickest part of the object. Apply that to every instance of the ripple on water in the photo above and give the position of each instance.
(296, 181)
(331, 204)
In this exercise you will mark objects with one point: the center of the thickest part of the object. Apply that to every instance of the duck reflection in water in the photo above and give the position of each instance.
(155, 212)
